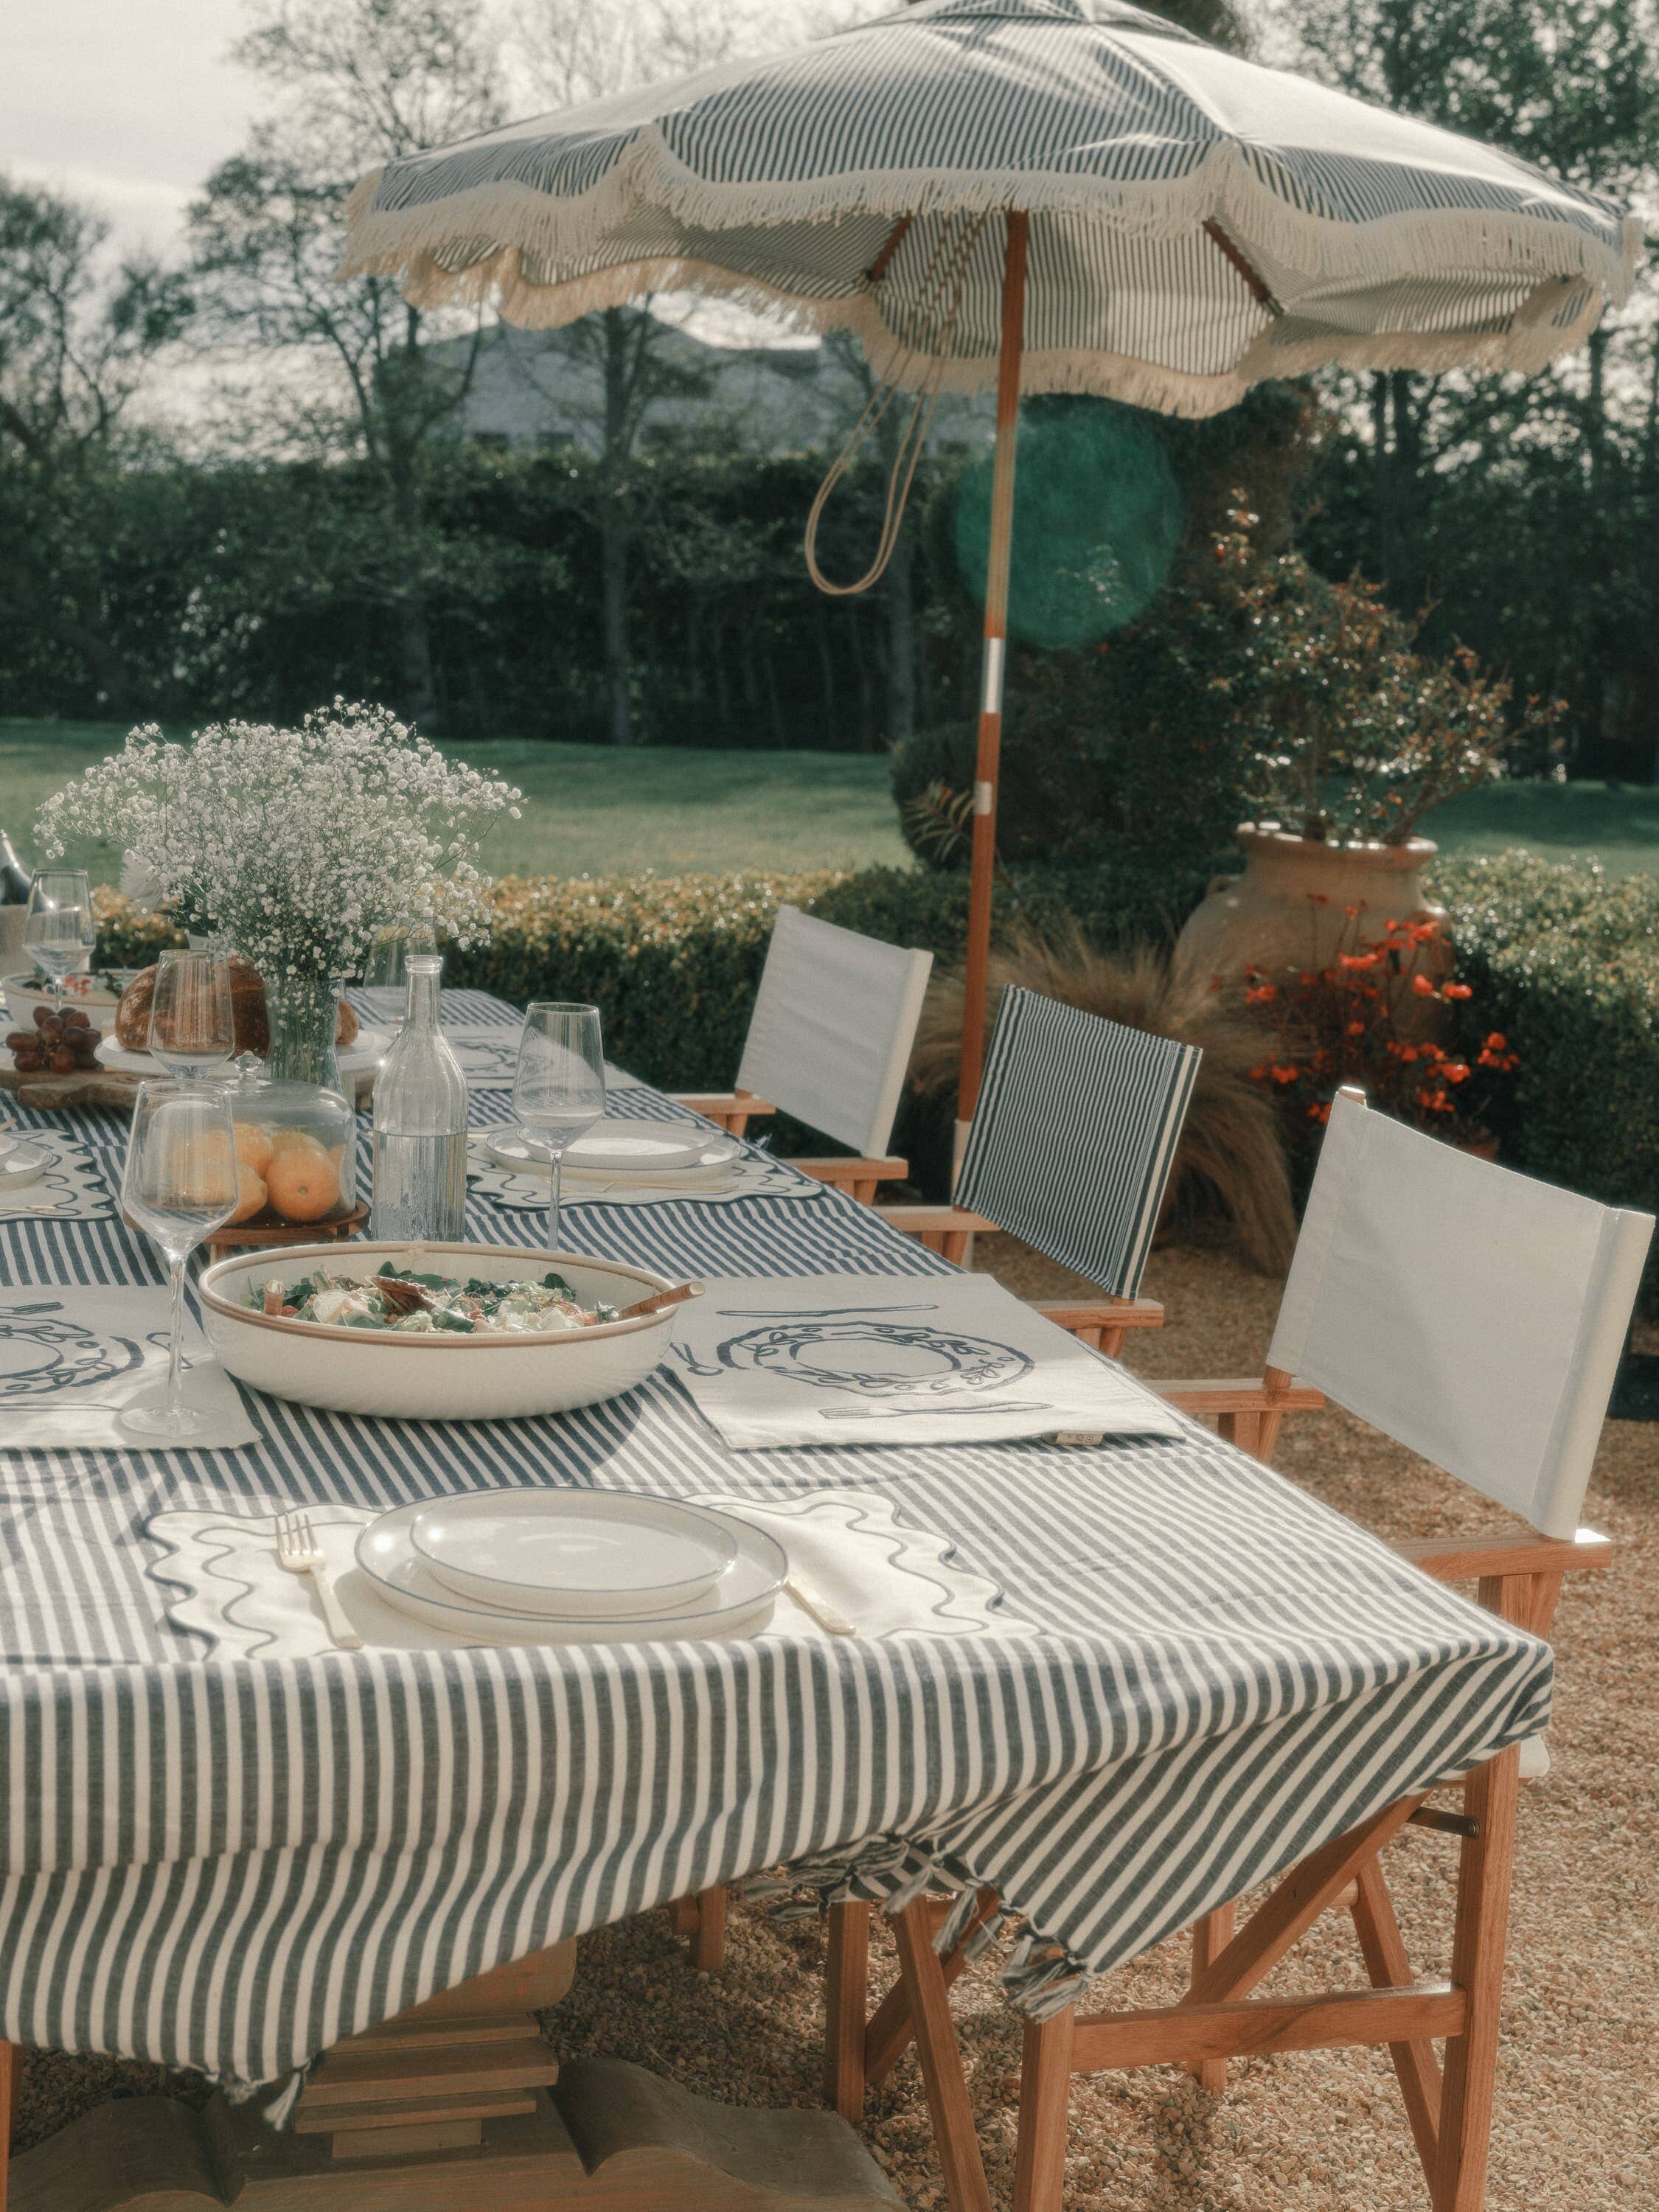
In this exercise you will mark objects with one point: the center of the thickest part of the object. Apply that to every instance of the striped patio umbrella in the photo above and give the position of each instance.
(1033, 195)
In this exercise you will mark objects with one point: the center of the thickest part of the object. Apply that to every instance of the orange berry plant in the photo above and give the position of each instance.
(1359, 1020)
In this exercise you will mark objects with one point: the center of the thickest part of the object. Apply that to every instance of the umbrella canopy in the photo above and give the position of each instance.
(1043, 195)
(1370, 238)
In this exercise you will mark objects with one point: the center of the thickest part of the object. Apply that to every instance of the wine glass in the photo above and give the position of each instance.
(192, 1028)
(559, 1088)
(58, 930)
(385, 971)
(180, 1184)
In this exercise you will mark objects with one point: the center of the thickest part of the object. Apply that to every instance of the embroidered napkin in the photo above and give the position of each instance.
(895, 1359)
(750, 1175)
(68, 1187)
(72, 1361)
(887, 1580)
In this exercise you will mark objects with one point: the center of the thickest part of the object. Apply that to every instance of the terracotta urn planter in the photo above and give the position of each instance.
(1290, 908)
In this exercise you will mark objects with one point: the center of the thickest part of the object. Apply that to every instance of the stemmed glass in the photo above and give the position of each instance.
(559, 1088)
(180, 1185)
(385, 971)
(193, 1029)
(58, 930)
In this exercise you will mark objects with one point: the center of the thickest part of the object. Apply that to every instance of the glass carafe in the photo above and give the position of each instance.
(420, 1124)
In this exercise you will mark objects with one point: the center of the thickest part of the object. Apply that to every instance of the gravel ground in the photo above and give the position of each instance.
(1577, 2118)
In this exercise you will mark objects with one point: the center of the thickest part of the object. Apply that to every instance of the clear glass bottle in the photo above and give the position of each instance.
(420, 1124)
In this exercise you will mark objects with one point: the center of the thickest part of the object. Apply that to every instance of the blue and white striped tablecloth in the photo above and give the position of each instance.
(230, 1864)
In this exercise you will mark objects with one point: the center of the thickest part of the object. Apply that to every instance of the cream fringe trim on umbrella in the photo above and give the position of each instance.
(1226, 185)
(1526, 343)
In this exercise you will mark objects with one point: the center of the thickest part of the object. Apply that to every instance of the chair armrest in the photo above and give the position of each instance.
(947, 1230)
(1077, 1314)
(1236, 1394)
(857, 1178)
(1455, 1559)
(728, 1109)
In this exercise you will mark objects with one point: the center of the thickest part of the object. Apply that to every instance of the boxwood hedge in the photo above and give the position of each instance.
(1565, 961)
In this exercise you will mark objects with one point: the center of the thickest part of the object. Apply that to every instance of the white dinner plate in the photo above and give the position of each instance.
(366, 1050)
(740, 1604)
(613, 1145)
(23, 1163)
(575, 1554)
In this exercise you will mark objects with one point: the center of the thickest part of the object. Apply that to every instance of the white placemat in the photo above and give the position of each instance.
(885, 1579)
(72, 1361)
(751, 1174)
(70, 1187)
(895, 1359)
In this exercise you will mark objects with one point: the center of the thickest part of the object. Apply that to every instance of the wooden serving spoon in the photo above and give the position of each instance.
(659, 1299)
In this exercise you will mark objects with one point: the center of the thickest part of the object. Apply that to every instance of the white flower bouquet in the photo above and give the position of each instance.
(299, 847)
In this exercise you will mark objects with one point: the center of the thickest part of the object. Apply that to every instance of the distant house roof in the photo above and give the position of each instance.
(536, 387)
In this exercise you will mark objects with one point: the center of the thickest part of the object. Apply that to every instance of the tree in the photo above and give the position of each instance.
(76, 339)
(1570, 84)
(566, 53)
(358, 82)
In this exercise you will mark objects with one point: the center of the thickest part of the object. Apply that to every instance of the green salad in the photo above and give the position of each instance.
(418, 1305)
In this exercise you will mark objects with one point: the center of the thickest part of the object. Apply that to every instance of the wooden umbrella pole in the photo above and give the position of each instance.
(996, 640)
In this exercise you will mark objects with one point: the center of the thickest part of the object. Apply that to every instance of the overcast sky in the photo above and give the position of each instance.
(127, 103)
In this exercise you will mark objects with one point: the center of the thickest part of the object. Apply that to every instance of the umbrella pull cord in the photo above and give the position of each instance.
(913, 441)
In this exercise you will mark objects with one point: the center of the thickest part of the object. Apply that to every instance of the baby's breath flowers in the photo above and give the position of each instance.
(300, 846)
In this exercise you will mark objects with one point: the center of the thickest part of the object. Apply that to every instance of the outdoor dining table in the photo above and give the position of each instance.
(239, 1863)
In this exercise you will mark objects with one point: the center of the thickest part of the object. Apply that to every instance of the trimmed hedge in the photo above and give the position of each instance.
(675, 961)
(1565, 963)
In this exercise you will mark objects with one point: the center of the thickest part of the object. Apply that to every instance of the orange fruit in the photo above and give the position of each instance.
(286, 1140)
(250, 1192)
(302, 1184)
(254, 1145)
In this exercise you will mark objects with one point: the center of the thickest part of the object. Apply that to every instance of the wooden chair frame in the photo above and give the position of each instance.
(731, 1110)
(1448, 2107)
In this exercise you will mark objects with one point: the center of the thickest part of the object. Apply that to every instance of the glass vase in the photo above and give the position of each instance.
(302, 1012)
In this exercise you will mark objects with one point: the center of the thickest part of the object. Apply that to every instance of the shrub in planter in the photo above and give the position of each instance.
(1357, 1021)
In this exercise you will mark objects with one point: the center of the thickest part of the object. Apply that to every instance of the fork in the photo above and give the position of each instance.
(299, 1552)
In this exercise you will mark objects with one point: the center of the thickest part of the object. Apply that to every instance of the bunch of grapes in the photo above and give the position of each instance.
(58, 1044)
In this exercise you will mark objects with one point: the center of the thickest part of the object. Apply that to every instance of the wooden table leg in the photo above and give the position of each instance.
(458, 2105)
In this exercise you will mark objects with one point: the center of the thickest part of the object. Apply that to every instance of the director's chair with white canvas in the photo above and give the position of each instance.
(829, 1042)
(1475, 1317)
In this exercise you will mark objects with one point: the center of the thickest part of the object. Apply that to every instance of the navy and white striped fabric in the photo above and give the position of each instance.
(1075, 1133)
(229, 1864)
(1377, 242)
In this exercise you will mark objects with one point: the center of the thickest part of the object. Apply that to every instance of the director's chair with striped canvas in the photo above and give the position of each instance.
(1477, 1317)
(829, 1042)
(1073, 1138)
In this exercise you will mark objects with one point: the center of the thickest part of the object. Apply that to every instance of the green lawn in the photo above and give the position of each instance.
(590, 810)
(1620, 827)
(587, 810)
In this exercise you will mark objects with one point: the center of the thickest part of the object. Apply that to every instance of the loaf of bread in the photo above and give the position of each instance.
(247, 1002)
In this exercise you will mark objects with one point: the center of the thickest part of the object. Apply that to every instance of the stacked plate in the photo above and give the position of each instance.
(625, 1152)
(574, 1566)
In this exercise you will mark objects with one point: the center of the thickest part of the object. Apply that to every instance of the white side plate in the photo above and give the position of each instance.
(614, 1145)
(746, 1593)
(598, 1554)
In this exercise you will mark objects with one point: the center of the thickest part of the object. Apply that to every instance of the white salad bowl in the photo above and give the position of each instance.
(434, 1375)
